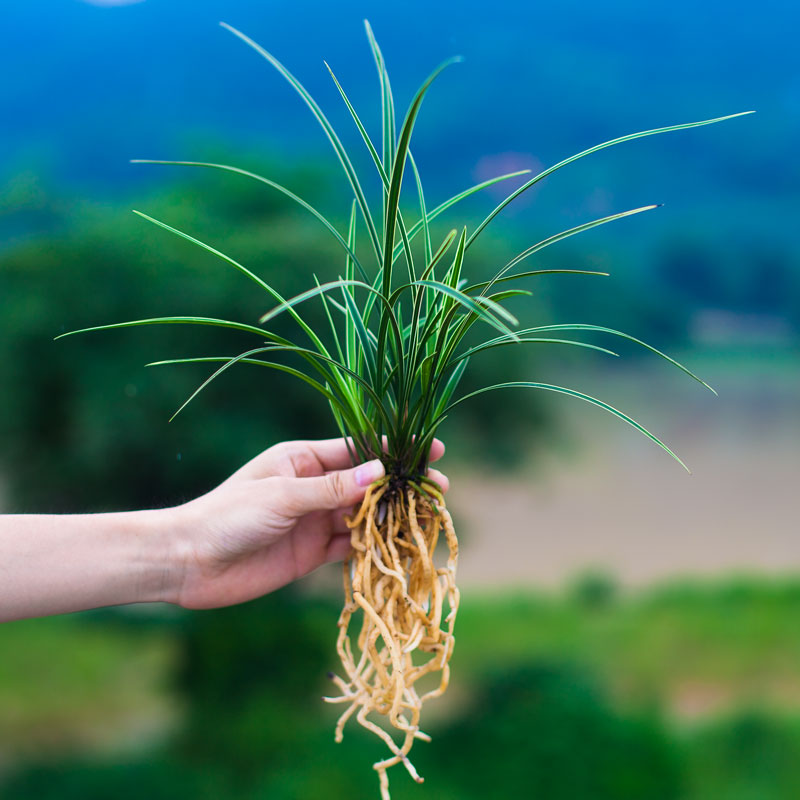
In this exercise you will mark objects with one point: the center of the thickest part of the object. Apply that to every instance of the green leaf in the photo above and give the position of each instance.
(581, 396)
(472, 305)
(216, 373)
(274, 185)
(246, 360)
(341, 153)
(308, 294)
(388, 124)
(565, 235)
(220, 323)
(423, 214)
(473, 287)
(361, 331)
(300, 321)
(396, 180)
(440, 209)
(610, 143)
(524, 340)
(376, 159)
(601, 329)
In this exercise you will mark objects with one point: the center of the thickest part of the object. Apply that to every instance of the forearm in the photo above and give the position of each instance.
(52, 564)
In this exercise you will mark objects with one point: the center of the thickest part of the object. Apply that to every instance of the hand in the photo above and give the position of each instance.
(276, 519)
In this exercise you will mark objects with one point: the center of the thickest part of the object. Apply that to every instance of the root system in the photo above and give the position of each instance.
(392, 578)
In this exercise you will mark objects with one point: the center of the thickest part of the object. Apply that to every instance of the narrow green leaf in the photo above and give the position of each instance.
(376, 159)
(257, 361)
(396, 180)
(423, 218)
(216, 374)
(330, 321)
(300, 321)
(450, 386)
(447, 204)
(524, 340)
(581, 396)
(307, 295)
(388, 123)
(591, 150)
(341, 153)
(331, 229)
(475, 286)
(472, 305)
(601, 329)
(221, 323)
(564, 235)
(366, 345)
(350, 335)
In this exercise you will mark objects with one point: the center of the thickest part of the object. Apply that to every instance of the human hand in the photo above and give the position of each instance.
(276, 519)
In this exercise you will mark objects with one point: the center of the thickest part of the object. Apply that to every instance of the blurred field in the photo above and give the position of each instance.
(687, 669)
(607, 498)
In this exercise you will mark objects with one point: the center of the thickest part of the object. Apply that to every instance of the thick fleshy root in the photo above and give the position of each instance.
(391, 576)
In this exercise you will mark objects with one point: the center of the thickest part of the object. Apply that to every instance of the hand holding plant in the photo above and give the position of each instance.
(276, 519)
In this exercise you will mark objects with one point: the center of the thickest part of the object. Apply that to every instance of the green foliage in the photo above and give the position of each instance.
(395, 347)
(750, 756)
(572, 712)
(60, 683)
(544, 730)
(594, 590)
(252, 677)
(83, 428)
(151, 779)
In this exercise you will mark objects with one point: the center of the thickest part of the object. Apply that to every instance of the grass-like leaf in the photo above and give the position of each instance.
(573, 393)
(397, 352)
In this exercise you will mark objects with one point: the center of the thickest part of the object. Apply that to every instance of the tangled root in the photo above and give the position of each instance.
(391, 577)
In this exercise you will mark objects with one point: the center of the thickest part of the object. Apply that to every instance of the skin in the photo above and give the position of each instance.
(274, 520)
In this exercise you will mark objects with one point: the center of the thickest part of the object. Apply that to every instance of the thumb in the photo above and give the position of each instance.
(338, 489)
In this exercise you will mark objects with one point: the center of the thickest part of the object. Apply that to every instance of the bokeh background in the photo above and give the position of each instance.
(627, 631)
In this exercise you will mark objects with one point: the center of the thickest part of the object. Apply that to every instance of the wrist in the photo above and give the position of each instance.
(164, 554)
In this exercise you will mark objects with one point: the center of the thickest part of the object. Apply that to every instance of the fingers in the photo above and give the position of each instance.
(338, 489)
(338, 547)
(437, 450)
(333, 454)
(440, 478)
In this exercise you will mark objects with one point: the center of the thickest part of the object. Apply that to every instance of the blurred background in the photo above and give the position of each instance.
(626, 630)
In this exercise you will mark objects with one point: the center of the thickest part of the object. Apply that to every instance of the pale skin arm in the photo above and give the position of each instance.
(276, 519)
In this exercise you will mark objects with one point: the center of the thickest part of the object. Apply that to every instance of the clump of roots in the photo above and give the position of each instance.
(391, 577)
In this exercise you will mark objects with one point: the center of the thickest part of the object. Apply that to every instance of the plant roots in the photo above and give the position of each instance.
(391, 576)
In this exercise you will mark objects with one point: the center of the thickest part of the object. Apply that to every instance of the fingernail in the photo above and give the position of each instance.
(369, 472)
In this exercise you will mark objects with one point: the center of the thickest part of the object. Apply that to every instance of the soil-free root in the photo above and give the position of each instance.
(392, 583)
